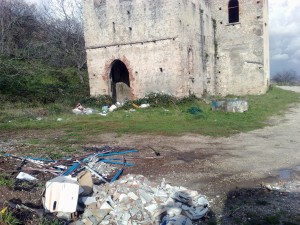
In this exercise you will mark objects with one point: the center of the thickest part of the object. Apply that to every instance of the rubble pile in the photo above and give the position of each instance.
(133, 199)
(89, 187)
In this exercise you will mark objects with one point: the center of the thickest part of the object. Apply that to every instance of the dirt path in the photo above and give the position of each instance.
(206, 163)
(239, 164)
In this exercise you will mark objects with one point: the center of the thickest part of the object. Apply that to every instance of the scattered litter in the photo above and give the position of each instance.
(104, 109)
(135, 106)
(143, 106)
(112, 108)
(3, 210)
(25, 176)
(195, 110)
(59, 119)
(79, 109)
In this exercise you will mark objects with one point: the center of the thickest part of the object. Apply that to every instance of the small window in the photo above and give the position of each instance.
(233, 11)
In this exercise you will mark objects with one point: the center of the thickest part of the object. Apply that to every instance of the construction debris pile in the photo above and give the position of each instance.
(89, 186)
(133, 199)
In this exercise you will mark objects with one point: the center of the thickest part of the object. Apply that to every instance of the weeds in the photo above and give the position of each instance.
(48, 221)
(6, 181)
(8, 218)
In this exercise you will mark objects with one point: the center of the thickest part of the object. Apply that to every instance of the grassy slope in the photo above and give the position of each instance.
(174, 120)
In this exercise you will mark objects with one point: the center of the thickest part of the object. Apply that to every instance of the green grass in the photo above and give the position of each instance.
(6, 181)
(8, 218)
(171, 120)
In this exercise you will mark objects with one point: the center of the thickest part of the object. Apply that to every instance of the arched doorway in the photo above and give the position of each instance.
(120, 83)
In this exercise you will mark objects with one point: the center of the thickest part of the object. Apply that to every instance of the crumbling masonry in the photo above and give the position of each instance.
(178, 47)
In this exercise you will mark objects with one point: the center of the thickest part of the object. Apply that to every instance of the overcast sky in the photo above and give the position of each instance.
(284, 34)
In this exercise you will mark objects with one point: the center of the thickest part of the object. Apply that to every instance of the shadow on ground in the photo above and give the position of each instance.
(259, 206)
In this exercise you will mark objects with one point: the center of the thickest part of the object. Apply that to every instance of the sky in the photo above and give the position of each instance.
(284, 27)
(284, 20)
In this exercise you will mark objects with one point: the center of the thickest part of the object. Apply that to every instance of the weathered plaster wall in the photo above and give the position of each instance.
(179, 47)
(153, 67)
(195, 49)
(242, 49)
(143, 35)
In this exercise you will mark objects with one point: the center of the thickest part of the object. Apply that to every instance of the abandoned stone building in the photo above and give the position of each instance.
(178, 47)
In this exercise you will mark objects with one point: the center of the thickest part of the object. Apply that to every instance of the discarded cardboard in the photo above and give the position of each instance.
(86, 182)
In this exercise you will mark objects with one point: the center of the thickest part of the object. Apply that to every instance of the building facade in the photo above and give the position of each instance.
(178, 47)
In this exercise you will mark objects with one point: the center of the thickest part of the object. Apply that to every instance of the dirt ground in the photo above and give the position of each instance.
(231, 171)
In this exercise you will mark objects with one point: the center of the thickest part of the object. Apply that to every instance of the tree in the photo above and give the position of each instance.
(52, 33)
(64, 28)
(286, 77)
(17, 24)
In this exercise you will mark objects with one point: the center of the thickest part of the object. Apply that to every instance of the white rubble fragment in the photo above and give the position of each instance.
(151, 208)
(269, 187)
(133, 196)
(145, 196)
(25, 176)
(88, 200)
(202, 201)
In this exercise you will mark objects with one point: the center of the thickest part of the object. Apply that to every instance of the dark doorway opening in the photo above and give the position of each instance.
(120, 84)
(233, 11)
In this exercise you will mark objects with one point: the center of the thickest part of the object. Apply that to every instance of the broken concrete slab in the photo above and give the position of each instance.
(230, 105)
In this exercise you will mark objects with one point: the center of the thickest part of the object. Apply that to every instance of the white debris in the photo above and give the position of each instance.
(112, 108)
(25, 176)
(61, 194)
(79, 109)
(88, 200)
(143, 106)
(135, 200)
